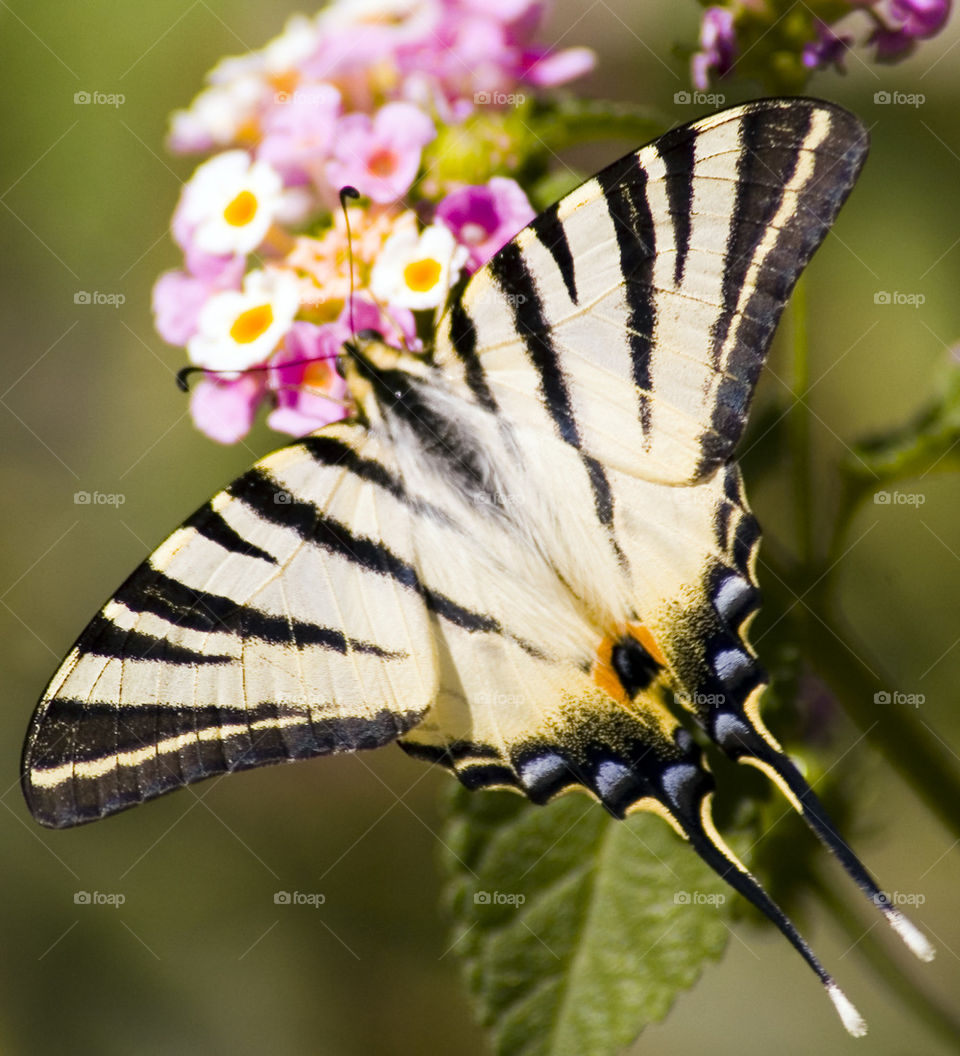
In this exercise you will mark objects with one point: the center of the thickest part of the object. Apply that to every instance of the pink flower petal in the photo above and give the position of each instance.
(559, 67)
(177, 300)
(380, 156)
(225, 410)
(485, 218)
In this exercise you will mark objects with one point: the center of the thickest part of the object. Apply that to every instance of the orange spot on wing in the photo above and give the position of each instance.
(603, 674)
(646, 639)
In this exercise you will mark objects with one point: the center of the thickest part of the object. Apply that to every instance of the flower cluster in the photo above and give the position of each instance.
(365, 94)
(783, 43)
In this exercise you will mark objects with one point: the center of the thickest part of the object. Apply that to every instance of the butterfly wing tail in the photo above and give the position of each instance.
(745, 739)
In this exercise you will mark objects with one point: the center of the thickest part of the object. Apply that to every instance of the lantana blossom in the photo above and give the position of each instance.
(230, 203)
(239, 329)
(783, 53)
(416, 269)
(485, 218)
(357, 95)
(309, 391)
(380, 156)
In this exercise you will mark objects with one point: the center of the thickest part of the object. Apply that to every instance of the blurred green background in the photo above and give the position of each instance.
(200, 959)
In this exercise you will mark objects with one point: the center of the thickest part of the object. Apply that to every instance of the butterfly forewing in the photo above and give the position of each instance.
(275, 624)
(632, 318)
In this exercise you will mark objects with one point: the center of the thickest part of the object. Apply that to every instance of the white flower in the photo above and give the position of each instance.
(219, 113)
(230, 203)
(238, 329)
(417, 270)
(297, 42)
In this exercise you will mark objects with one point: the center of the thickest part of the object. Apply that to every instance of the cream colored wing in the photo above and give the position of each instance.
(275, 624)
(632, 318)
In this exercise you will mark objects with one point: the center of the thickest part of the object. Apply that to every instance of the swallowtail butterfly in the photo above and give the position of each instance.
(523, 541)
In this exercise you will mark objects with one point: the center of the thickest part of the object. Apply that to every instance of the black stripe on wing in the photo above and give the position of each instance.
(463, 339)
(549, 229)
(211, 525)
(104, 638)
(133, 754)
(150, 591)
(624, 185)
(259, 492)
(509, 270)
(773, 144)
(676, 150)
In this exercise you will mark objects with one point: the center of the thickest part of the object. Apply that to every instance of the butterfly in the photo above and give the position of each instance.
(526, 549)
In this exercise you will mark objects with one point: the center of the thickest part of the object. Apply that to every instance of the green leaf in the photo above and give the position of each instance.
(575, 930)
(931, 441)
(569, 121)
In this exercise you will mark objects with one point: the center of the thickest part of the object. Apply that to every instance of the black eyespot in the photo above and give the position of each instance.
(634, 666)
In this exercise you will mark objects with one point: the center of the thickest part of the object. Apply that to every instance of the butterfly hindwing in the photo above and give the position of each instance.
(275, 624)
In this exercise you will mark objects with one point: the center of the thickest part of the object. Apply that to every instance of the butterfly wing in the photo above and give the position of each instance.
(275, 624)
(645, 301)
(630, 323)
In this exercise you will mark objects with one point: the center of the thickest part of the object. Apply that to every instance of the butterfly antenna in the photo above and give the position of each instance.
(185, 373)
(351, 193)
(756, 746)
(697, 822)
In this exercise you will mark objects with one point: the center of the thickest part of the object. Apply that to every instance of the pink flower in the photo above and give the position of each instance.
(397, 326)
(892, 44)
(828, 49)
(545, 69)
(299, 131)
(920, 18)
(380, 156)
(305, 381)
(485, 218)
(225, 410)
(718, 43)
(179, 297)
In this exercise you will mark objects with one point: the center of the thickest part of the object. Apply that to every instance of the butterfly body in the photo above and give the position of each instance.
(527, 552)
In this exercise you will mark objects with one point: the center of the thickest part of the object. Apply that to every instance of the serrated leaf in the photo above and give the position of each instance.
(575, 930)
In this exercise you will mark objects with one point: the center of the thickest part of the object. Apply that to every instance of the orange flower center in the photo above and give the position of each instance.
(422, 275)
(317, 376)
(241, 210)
(251, 324)
(382, 163)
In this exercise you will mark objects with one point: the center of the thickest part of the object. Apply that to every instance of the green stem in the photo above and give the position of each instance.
(576, 121)
(911, 748)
